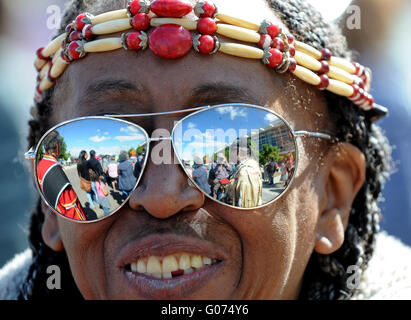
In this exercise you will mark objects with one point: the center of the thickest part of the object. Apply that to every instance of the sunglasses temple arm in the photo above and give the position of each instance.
(31, 154)
(314, 135)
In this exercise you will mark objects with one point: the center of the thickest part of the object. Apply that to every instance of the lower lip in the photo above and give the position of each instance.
(180, 287)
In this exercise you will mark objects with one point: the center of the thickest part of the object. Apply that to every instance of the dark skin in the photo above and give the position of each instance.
(263, 252)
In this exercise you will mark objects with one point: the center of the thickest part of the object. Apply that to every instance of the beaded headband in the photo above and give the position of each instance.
(171, 38)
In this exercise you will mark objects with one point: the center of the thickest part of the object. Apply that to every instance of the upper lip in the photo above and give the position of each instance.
(162, 245)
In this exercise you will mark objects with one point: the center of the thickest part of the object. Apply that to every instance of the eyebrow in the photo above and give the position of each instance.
(204, 94)
(101, 89)
(220, 92)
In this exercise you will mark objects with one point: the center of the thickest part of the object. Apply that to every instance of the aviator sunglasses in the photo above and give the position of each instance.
(239, 155)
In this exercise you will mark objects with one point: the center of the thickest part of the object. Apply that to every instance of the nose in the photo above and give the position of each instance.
(164, 190)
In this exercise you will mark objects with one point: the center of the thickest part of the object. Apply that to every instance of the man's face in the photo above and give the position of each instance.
(259, 253)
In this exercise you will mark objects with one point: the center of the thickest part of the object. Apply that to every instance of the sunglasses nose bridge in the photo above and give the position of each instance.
(164, 191)
(160, 139)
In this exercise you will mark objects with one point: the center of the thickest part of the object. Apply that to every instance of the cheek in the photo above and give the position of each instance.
(83, 244)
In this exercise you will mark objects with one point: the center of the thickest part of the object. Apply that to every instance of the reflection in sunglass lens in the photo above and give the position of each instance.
(86, 169)
(239, 155)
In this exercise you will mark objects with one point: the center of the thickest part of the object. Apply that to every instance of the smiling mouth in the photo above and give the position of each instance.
(171, 266)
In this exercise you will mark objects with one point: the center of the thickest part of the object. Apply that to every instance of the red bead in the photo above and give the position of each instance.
(88, 32)
(278, 44)
(170, 41)
(361, 95)
(359, 82)
(206, 26)
(356, 89)
(38, 89)
(134, 41)
(75, 50)
(81, 21)
(291, 50)
(359, 69)
(205, 9)
(273, 30)
(69, 28)
(325, 81)
(39, 55)
(290, 38)
(325, 67)
(38, 96)
(265, 41)
(75, 36)
(171, 8)
(64, 57)
(141, 21)
(275, 58)
(137, 6)
(270, 28)
(325, 54)
(293, 65)
(207, 44)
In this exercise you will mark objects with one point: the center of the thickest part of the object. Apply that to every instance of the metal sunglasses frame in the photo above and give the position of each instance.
(32, 153)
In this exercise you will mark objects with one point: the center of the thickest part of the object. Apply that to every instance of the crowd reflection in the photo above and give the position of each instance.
(244, 183)
(89, 186)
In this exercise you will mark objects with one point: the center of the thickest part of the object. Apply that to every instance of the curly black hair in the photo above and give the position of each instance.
(325, 277)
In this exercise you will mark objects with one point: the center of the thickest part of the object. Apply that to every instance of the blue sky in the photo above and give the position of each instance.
(104, 136)
(210, 131)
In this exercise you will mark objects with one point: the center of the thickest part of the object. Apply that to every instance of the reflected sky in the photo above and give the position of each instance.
(105, 136)
(213, 130)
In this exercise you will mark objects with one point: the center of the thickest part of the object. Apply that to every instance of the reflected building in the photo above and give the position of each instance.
(277, 134)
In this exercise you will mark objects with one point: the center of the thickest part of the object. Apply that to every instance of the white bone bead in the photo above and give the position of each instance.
(58, 67)
(340, 88)
(301, 46)
(108, 16)
(38, 63)
(339, 74)
(342, 64)
(112, 26)
(307, 61)
(238, 33)
(241, 50)
(102, 45)
(186, 23)
(53, 46)
(307, 75)
(56, 56)
(44, 71)
(45, 84)
(238, 22)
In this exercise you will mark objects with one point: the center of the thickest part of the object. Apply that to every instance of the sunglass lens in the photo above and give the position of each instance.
(86, 169)
(243, 156)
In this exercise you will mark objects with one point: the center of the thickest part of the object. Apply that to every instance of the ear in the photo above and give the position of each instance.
(50, 230)
(344, 178)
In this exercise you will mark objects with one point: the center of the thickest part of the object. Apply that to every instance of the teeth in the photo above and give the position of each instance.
(162, 268)
(141, 266)
(134, 267)
(184, 261)
(196, 261)
(153, 265)
(170, 264)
